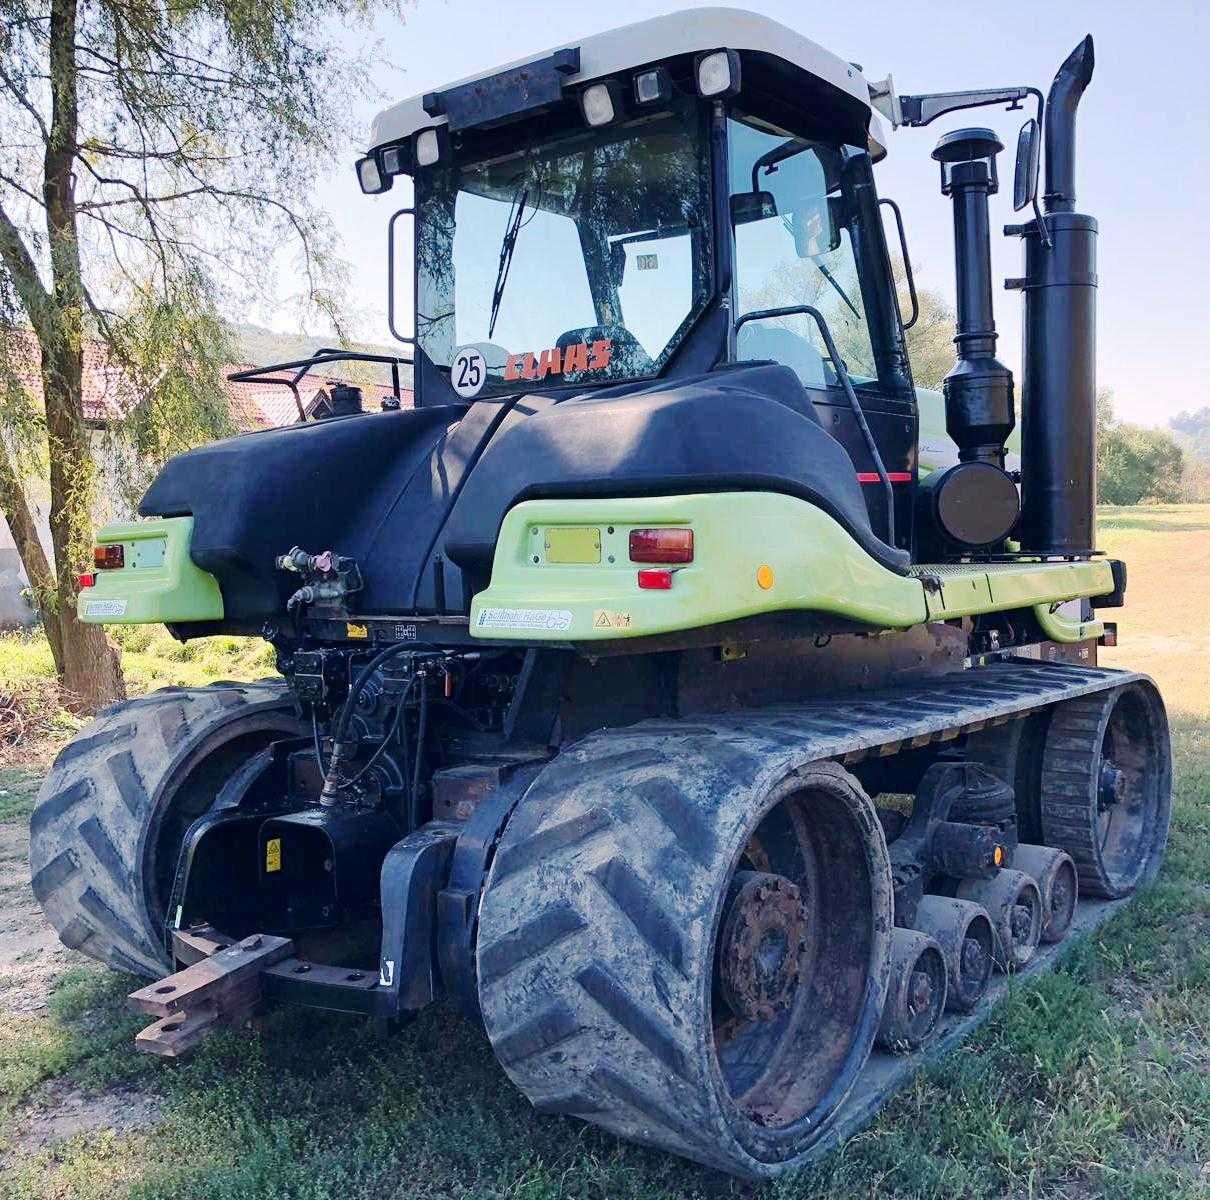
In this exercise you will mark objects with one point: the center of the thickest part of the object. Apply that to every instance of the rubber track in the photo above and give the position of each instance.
(87, 831)
(592, 942)
(1069, 808)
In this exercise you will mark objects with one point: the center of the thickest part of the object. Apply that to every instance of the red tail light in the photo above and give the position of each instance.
(655, 580)
(108, 558)
(661, 545)
(86, 580)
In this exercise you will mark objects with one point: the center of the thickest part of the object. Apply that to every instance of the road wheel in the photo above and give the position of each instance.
(688, 946)
(1107, 787)
(113, 811)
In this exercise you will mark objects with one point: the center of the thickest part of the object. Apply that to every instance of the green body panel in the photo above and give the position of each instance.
(159, 582)
(816, 566)
(963, 590)
(1061, 628)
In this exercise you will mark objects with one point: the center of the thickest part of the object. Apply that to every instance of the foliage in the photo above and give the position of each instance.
(1135, 463)
(931, 339)
(156, 159)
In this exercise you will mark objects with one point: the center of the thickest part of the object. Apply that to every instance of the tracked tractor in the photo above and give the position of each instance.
(707, 711)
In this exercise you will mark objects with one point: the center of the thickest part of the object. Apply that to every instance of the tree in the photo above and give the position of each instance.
(1135, 463)
(931, 339)
(154, 157)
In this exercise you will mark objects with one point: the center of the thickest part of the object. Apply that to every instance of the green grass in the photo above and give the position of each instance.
(18, 790)
(1090, 1082)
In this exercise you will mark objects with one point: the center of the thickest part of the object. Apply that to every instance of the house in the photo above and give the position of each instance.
(254, 405)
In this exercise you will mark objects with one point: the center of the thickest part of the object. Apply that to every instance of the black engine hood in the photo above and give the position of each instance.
(418, 496)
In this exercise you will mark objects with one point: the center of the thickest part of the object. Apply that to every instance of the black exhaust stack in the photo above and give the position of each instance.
(1059, 385)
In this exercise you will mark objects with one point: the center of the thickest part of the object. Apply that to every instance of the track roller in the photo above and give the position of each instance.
(1055, 874)
(915, 996)
(1014, 903)
(964, 932)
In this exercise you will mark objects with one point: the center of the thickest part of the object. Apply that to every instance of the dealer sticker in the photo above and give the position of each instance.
(104, 608)
(558, 619)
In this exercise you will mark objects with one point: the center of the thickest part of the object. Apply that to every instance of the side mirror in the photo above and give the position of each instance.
(401, 290)
(1029, 159)
(752, 206)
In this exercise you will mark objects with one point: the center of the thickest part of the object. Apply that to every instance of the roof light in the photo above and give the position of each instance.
(652, 87)
(598, 104)
(394, 160)
(109, 558)
(658, 579)
(428, 147)
(718, 73)
(661, 545)
(370, 176)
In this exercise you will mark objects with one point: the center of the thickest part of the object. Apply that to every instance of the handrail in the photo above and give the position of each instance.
(322, 357)
(842, 372)
(907, 265)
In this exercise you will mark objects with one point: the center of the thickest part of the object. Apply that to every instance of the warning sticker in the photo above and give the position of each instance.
(272, 855)
(104, 608)
(524, 618)
(607, 618)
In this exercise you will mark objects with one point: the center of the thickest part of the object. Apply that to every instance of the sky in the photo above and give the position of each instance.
(1143, 152)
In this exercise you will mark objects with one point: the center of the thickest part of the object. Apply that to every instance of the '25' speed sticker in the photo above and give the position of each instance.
(468, 373)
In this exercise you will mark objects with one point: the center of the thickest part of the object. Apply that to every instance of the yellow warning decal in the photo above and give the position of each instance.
(607, 618)
(272, 855)
(356, 631)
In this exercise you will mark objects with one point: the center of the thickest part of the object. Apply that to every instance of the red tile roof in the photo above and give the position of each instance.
(254, 405)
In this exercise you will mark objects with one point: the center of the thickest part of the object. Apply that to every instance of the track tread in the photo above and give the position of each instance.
(1069, 809)
(516, 948)
(88, 827)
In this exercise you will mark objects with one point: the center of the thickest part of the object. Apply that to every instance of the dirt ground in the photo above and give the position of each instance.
(31, 956)
(31, 959)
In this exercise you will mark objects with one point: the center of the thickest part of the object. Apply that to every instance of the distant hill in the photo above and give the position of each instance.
(1192, 431)
(263, 346)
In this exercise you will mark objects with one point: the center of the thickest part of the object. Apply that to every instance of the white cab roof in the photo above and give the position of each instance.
(687, 32)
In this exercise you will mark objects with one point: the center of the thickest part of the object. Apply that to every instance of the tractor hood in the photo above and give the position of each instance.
(417, 497)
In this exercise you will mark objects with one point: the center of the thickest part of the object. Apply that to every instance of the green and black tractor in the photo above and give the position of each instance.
(710, 713)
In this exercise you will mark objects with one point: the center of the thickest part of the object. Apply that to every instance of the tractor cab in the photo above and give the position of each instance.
(645, 205)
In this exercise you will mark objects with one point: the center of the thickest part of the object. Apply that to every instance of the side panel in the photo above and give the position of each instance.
(754, 553)
(159, 581)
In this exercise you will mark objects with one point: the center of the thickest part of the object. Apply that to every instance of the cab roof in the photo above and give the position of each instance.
(691, 31)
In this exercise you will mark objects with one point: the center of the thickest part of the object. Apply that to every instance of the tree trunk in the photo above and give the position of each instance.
(24, 528)
(90, 663)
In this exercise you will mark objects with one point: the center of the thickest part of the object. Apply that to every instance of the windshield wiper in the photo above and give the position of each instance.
(507, 246)
(839, 290)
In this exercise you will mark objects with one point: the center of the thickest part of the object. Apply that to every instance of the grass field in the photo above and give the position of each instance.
(1091, 1082)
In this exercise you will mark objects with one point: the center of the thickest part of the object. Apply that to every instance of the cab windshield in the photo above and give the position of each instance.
(580, 262)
